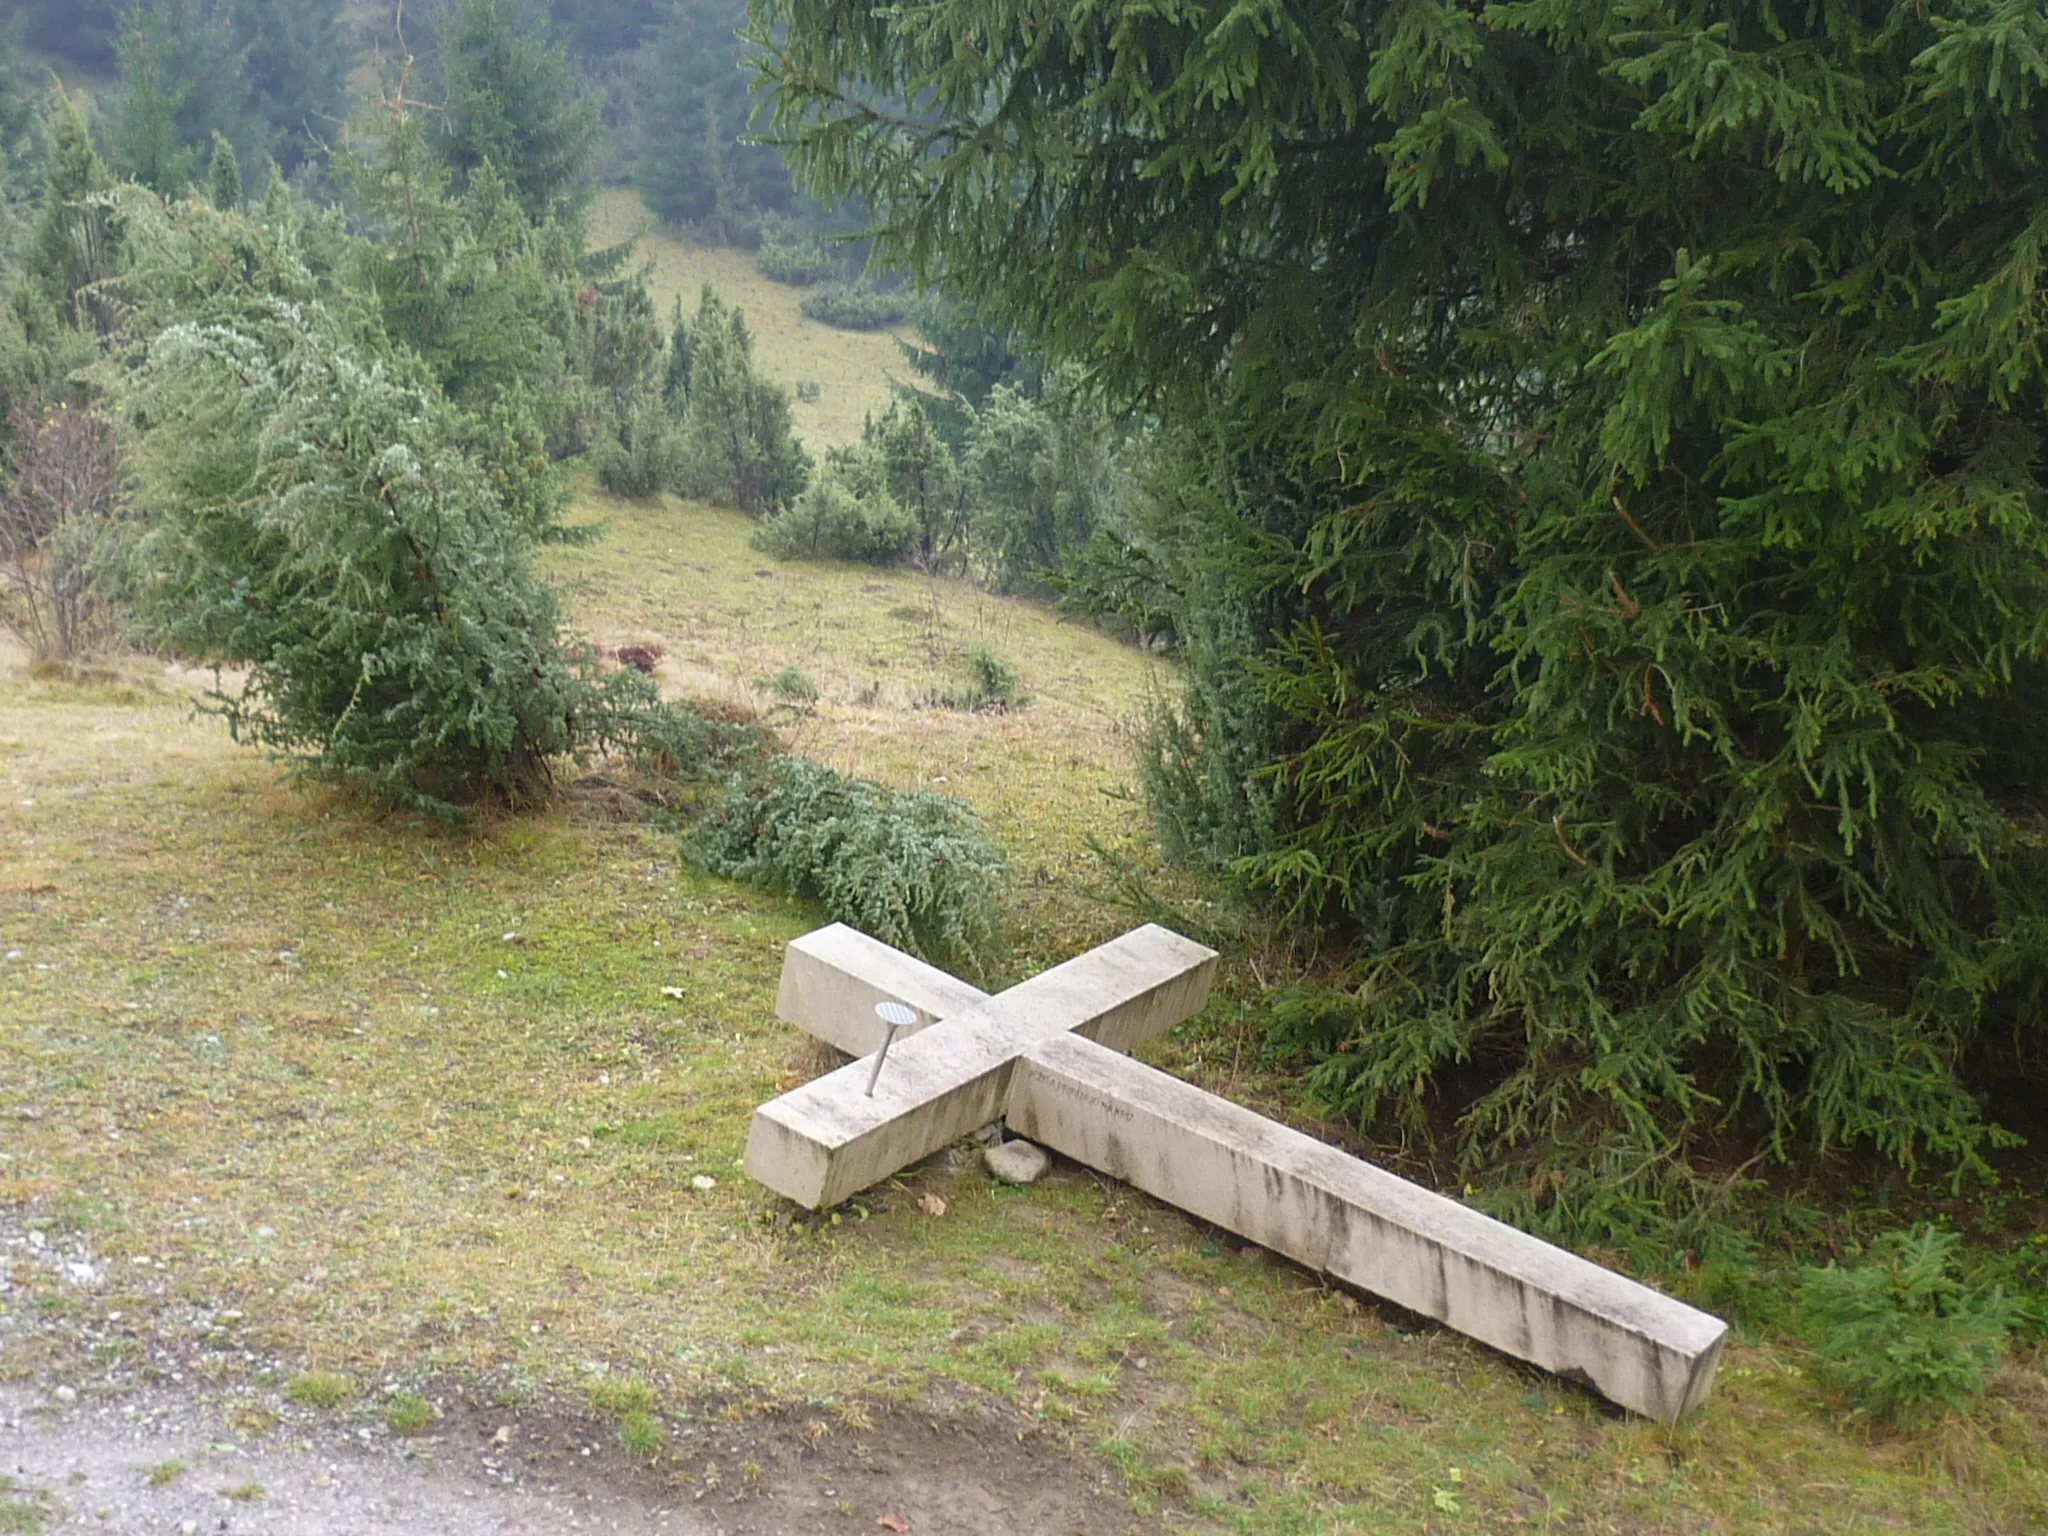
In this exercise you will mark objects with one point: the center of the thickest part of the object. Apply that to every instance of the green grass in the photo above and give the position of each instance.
(23, 1511)
(243, 1493)
(1049, 779)
(320, 1389)
(164, 1473)
(405, 1414)
(640, 1433)
(622, 1399)
(265, 1012)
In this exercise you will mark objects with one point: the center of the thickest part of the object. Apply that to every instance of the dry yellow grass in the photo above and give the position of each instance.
(1048, 777)
(417, 1103)
(851, 368)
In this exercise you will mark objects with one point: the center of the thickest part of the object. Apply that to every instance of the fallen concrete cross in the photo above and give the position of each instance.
(1047, 1054)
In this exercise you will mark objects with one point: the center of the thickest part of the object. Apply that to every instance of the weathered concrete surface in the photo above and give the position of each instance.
(832, 979)
(1334, 1213)
(828, 1139)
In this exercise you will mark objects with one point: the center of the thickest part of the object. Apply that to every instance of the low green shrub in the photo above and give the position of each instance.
(993, 678)
(792, 254)
(830, 521)
(646, 455)
(854, 306)
(1898, 1334)
(2022, 1273)
(913, 869)
(315, 523)
(673, 740)
(408, 1414)
(792, 686)
(990, 686)
(320, 1389)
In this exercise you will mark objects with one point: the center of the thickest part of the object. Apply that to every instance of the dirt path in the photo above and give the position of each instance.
(159, 1421)
(165, 1462)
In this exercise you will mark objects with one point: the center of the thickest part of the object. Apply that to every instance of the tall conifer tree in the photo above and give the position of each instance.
(513, 99)
(1613, 433)
(694, 107)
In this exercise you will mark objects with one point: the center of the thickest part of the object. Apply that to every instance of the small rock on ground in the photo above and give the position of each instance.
(1017, 1162)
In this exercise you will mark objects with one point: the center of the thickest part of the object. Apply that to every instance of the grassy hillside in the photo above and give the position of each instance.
(417, 1107)
(850, 368)
(876, 643)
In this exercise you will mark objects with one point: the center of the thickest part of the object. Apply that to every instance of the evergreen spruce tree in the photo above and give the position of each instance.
(737, 429)
(296, 73)
(83, 31)
(1611, 435)
(599, 29)
(145, 141)
(181, 64)
(694, 107)
(1042, 481)
(682, 350)
(18, 96)
(224, 176)
(74, 243)
(513, 100)
(921, 476)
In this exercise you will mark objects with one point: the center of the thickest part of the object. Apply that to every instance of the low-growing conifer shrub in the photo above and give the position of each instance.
(832, 521)
(1899, 1335)
(792, 254)
(646, 455)
(990, 686)
(854, 307)
(911, 868)
(792, 686)
(318, 522)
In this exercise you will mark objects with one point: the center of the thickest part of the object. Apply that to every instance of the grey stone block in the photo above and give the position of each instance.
(1334, 1213)
(1017, 1162)
(832, 979)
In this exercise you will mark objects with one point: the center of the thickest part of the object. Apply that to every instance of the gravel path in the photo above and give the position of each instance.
(112, 1467)
(154, 1416)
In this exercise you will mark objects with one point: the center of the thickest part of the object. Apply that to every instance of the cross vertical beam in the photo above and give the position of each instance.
(1339, 1214)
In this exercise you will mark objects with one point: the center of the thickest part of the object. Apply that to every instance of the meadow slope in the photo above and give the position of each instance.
(419, 1109)
(416, 1106)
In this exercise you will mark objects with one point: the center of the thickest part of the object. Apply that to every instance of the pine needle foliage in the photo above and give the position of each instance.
(1617, 450)
(316, 523)
(514, 100)
(910, 868)
(736, 424)
(1899, 1334)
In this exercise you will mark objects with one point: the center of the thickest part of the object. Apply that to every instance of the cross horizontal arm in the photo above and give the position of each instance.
(832, 979)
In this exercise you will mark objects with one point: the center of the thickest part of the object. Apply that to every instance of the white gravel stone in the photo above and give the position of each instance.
(1017, 1162)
